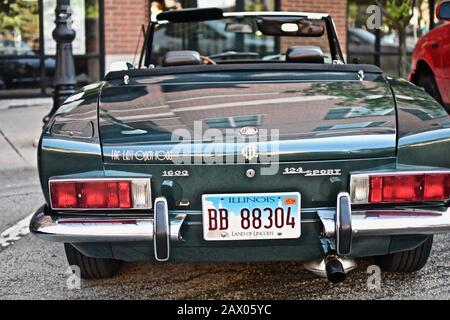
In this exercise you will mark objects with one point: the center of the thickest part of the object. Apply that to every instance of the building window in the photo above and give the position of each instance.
(27, 49)
(356, 125)
(20, 46)
(234, 122)
(355, 112)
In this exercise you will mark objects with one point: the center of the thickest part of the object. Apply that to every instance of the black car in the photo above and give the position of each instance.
(24, 69)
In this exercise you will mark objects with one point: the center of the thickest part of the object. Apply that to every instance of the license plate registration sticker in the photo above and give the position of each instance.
(252, 216)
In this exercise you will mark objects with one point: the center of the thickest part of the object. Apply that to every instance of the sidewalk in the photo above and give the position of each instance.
(20, 128)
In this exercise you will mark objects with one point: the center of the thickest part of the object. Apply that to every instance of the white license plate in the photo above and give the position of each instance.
(251, 216)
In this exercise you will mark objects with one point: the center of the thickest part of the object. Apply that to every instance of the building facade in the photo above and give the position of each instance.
(112, 30)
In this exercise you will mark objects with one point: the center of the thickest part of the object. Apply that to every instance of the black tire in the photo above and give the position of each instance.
(426, 80)
(406, 261)
(91, 268)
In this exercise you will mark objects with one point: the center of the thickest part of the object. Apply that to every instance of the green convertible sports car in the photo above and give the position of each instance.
(245, 137)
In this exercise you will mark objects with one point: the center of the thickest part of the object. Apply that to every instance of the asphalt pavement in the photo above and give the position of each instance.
(34, 269)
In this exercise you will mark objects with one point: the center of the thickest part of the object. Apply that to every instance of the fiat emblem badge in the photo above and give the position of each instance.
(248, 131)
(249, 152)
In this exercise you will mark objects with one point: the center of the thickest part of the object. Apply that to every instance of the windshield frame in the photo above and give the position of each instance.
(335, 49)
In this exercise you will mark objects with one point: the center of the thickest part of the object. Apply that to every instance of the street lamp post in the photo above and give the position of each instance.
(64, 79)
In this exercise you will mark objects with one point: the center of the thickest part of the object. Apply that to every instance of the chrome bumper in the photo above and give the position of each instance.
(86, 230)
(340, 225)
(343, 224)
(390, 222)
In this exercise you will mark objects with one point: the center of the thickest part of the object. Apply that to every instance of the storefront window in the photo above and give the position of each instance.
(92, 23)
(27, 49)
(19, 45)
(19, 28)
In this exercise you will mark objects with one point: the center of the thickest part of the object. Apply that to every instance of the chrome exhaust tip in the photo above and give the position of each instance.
(332, 267)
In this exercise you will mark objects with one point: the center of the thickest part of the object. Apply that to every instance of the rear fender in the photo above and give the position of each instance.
(70, 143)
(423, 135)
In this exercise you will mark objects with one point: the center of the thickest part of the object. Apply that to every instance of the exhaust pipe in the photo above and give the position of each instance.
(334, 269)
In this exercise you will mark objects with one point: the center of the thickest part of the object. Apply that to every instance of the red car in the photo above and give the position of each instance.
(431, 59)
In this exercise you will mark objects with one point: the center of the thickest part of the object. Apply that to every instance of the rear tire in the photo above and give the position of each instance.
(91, 268)
(427, 81)
(406, 261)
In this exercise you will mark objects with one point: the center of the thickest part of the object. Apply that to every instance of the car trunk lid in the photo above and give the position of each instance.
(287, 116)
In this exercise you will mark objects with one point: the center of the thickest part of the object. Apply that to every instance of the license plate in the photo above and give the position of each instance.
(252, 216)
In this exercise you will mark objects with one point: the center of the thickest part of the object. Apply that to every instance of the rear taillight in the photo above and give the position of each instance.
(400, 187)
(100, 194)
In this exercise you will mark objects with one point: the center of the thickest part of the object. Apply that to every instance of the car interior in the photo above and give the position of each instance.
(294, 54)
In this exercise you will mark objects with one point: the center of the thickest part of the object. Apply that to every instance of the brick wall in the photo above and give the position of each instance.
(336, 8)
(123, 20)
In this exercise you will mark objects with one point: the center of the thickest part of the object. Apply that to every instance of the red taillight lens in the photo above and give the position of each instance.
(376, 189)
(409, 187)
(437, 186)
(402, 188)
(124, 190)
(63, 195)
(102, 194)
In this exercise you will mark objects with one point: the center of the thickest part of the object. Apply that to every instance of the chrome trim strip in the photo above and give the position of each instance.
(400, 172)
(110, 229)
(131, 179)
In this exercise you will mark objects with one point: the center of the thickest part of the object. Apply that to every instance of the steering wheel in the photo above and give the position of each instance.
(235, 55)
